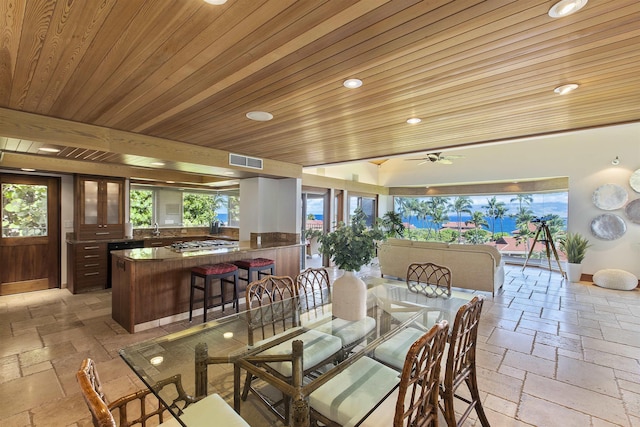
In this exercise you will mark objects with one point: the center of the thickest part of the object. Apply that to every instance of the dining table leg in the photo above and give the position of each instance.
(236, 387)
(299, 402)
(201, 368)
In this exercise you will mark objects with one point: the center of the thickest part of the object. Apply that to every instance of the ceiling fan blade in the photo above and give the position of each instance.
(445, 161)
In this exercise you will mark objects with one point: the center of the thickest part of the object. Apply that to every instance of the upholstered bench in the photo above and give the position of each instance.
(615, 279)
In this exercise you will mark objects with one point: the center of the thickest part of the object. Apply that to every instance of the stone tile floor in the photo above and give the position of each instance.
(551, 353)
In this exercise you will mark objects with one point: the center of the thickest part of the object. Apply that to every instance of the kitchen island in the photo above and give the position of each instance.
(150, 286)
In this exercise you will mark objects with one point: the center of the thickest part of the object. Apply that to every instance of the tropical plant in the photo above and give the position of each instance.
(200, 209)
(141, 207)
(461, 204)
(392, 225)
(477, 219)
(574, 245)
(24, 210)
(352, 246)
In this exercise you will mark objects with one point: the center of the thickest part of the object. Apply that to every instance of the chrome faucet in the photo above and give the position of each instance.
(156, 230)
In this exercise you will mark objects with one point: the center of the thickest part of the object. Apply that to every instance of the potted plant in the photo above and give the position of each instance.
(351, 247)
(574, 245)
(312, 236)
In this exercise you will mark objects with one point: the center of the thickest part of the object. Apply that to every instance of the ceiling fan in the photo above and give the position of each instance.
(437, 158)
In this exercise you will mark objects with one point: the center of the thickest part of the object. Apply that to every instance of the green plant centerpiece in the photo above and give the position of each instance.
(574, 245)
(351, 247)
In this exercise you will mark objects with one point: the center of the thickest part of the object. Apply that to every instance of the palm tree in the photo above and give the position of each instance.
(523, 217)
(501, 212)
(477, 219)
(461, 204)
(494, 208)
(439, 216)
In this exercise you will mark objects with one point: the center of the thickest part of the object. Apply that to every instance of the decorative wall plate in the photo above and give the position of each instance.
(634, 181)
(609, 197)
(608, 227)
(633, 211)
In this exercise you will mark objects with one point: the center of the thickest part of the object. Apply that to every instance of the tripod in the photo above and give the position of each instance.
(548, 243)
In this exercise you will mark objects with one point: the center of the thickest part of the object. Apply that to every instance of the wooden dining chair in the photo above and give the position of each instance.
(133, 409)
(461, 365)
(314, 290)
(354, 393)
(273, 309)
(429, 279)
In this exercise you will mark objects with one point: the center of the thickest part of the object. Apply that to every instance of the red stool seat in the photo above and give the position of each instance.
(255, 262)
(259, 265)
(221, 268)
(225, 272)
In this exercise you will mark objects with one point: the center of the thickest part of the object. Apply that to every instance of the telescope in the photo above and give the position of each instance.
(542, 219)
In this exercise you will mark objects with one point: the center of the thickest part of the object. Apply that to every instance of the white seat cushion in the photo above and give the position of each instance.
(394, 350)
(615, 279)
(317, 346)
(348, 331)
(348, 396)
(208, 411)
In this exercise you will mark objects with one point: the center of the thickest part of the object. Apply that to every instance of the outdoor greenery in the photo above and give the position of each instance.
(200, 208)
(392, 225)
(352, 246)
(24, 210)
(575, 246)
(141, 212)
(487, 223)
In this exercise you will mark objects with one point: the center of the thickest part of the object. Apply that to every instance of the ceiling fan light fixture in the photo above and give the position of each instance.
(566, 7)
(565, 89)
(414, 120)
(352, 83)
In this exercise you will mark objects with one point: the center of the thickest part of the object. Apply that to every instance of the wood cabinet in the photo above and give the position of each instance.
(99, 212)
(86, 266)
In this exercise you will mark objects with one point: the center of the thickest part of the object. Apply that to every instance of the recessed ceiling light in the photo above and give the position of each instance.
(216, 2)
(564, 89)
(259, 116)
(49, 150)
(228, 173)
(157, 164)
(27, 170)
(414, 120)
(352, 83)
(171, 182)
(566, 7)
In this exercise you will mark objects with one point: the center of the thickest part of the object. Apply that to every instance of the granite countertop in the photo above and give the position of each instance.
(165, 253)
(146, 238)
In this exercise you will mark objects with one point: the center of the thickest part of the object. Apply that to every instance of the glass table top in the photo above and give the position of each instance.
(391, 306)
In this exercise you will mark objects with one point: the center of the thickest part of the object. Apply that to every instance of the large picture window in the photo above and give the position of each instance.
(175, 207)
(507, 221)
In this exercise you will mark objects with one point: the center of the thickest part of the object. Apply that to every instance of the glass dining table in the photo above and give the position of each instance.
(210, 357)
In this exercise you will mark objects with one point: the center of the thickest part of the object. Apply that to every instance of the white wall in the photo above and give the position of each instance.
(584, 156)
(269, 205)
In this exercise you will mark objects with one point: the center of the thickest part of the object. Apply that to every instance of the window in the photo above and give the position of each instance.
(175, 207)
(24, 210)
(368, 206)
(508, 221)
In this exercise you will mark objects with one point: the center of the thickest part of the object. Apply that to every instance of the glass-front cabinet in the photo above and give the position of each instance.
(99, 208)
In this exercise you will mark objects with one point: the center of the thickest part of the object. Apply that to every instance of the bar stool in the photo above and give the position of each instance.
(259, 265)
(223, 272)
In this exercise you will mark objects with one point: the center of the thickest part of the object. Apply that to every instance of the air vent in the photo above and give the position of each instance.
(244, 161)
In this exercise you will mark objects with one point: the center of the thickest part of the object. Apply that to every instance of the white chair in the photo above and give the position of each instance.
(349, 397)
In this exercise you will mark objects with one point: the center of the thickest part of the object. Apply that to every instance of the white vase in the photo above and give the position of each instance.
(574, 271)
(349, 297)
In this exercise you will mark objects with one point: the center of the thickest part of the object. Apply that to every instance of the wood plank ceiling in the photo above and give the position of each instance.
(187, 71)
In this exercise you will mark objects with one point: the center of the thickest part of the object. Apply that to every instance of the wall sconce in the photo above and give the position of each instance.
(616, 161)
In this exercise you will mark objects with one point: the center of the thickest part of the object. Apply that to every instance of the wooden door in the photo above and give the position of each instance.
(29, 233)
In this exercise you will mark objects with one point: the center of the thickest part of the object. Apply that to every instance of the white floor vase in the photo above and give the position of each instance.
(349, 297)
